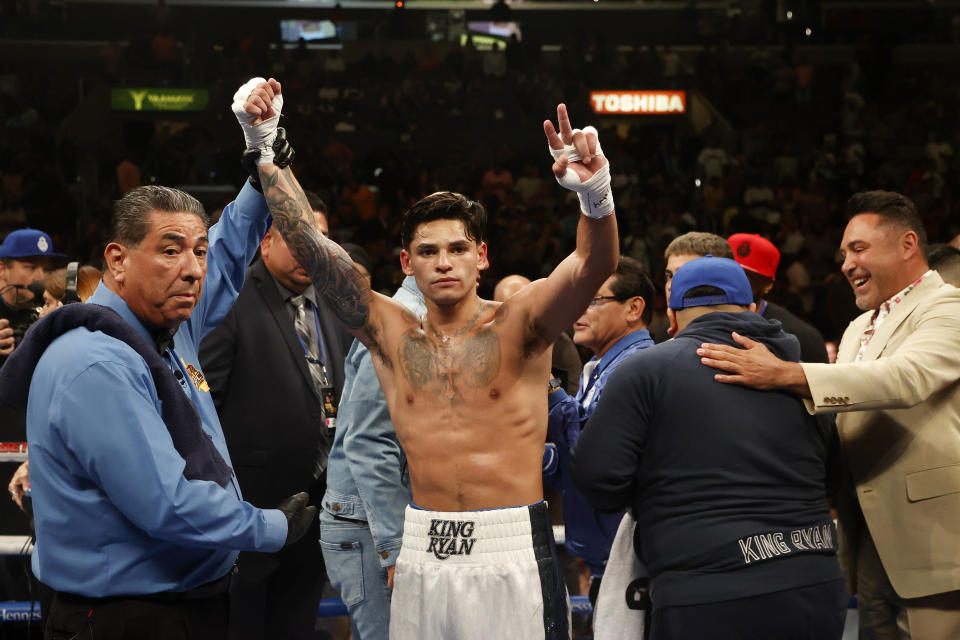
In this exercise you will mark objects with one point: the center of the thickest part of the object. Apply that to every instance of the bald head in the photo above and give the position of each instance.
(509, 286)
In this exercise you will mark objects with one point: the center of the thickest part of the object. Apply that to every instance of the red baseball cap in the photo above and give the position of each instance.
(755, 253)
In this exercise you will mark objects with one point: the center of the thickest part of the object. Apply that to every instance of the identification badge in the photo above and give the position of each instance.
(330, 402)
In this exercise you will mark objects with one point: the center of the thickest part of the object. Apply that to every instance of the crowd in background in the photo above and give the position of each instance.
(791, 141)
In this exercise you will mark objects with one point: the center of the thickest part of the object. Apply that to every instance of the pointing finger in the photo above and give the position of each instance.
(552, 138)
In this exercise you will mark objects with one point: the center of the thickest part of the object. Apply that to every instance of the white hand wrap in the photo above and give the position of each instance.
(258, 136)
(596, 198)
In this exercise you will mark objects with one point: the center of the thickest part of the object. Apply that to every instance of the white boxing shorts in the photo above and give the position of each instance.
(479, 574)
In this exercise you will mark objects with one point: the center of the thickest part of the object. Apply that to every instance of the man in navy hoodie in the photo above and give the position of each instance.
(727, 484)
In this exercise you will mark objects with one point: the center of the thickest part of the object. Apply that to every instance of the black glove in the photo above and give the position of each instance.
(283, 157)
(299, 516)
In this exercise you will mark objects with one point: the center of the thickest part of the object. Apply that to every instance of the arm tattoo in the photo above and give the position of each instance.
(333, 272)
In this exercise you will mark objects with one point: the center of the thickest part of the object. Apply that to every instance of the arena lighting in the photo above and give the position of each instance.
(399, 4)
(639, 102)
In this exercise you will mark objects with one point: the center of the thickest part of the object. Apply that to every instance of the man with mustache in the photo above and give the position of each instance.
(139, 516)
(896, 386)
(465, 387)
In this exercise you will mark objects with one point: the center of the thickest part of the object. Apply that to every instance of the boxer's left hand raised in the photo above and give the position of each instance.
(579, 164)
(257, 106)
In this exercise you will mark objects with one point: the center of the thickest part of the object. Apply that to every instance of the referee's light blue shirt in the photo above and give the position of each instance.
(113, 513)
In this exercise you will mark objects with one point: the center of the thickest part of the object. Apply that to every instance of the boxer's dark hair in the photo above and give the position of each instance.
(892, 207)
(131, 213)
(631, 280)
(444, 205)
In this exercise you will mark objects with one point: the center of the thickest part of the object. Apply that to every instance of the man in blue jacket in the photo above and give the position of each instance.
(727, 484)
(613, 327)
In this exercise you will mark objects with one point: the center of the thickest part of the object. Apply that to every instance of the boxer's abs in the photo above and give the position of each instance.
(478, 455)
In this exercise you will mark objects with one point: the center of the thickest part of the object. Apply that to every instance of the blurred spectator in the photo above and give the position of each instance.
(56, 289)
(945, 260)
(759, 259)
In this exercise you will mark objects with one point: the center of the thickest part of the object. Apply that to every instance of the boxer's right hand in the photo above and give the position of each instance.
(579, 164)
(257, 106)
(299, 516)
(6, 337)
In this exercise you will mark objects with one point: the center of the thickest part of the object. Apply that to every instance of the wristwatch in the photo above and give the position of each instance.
(554, 385)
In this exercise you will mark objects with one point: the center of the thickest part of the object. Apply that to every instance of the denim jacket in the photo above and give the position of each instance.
(367, 476)
(589, 533)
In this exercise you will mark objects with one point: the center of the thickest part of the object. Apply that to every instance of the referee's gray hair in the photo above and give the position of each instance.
(131, 213)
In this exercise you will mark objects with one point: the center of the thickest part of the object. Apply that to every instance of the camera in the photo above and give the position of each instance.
(20, 321)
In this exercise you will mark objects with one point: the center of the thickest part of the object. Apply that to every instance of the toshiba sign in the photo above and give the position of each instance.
(627, 102)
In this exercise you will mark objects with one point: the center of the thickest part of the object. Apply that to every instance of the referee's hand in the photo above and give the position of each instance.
(299, 516)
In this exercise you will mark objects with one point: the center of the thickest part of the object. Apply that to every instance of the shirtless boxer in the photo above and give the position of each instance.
(465, 389)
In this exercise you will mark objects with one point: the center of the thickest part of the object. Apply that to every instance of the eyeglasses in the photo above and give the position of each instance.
(602, 300)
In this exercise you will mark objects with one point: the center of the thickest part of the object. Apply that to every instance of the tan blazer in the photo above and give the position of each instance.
(900, 432)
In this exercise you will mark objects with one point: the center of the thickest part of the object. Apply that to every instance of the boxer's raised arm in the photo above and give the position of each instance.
(554, 303)
(334, 274)
(257, 106)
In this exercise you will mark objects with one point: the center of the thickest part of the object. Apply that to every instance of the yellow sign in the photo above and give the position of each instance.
(145, 99)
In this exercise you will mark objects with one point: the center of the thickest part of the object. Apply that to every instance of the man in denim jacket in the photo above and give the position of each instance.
(368, 488)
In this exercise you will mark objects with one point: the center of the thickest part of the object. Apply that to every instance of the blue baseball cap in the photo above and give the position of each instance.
(722, 273)
(28, 243)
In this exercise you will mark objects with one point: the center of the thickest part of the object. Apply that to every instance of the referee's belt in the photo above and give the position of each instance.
(207, 590)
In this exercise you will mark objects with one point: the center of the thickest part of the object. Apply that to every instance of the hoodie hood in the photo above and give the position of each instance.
(716, 327)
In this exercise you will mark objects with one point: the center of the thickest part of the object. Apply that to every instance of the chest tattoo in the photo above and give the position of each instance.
(448, 367)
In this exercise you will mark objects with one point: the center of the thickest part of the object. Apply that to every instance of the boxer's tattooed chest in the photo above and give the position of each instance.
(450, 366)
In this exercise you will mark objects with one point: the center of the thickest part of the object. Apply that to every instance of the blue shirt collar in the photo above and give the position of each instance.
(619, 346)
(106, 297)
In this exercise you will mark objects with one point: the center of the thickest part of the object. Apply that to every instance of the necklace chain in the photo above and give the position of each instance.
(447, 339)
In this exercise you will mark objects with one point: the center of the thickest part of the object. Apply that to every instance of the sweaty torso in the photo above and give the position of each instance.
(469, 408)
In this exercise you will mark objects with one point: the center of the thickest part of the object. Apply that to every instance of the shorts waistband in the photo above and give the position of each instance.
(494, 536)
(414, 505)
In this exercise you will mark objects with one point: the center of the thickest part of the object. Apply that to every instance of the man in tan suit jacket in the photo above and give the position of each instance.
(896, 386)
